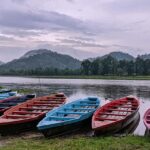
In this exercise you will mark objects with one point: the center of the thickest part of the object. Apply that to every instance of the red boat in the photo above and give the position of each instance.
(13, 101)
(115, 115)
(25, 116)
(147, 121)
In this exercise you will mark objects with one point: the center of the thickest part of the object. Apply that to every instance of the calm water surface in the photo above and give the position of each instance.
(79, 88)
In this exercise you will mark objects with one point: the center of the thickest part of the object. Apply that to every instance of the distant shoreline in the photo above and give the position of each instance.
(87, 77)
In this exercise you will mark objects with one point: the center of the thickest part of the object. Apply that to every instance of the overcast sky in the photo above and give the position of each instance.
(81, 28)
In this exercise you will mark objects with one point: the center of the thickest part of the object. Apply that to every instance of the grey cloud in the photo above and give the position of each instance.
(82, 38)
(21, 32)
(40, 20)
(78, 43)
(5, 38)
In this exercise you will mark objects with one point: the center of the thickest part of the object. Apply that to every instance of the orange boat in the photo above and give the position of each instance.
(115, 115)
(25, 116)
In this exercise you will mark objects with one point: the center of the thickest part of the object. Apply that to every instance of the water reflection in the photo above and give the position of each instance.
(74, 89)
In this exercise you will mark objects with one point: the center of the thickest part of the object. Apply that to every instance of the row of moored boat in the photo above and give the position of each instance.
(53, 115)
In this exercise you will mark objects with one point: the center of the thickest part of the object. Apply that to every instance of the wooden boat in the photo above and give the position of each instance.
(13, 101)
(25, 116)
(115, 115)
(7, 94)
(146, 120)
(69, 117)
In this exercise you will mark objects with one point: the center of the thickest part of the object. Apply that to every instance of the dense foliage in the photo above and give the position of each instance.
(106, 66)
(112, 66)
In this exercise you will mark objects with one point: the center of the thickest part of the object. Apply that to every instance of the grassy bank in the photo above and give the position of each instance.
(86, 77)
(81, 143)
(97, 77)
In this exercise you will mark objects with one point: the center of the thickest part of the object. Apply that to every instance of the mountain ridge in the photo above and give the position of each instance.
(42, 59)
(117, 55)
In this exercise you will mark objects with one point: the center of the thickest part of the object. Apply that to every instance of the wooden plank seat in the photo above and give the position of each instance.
(17, 116)
(48, 102)
(42, 105)
(80, 109)
(112, 114)
(51, 100)
(27, 112)
(31, 108)
(42, 102)
(88, 105)
(122, 107)
(63, 112)
(119, 110)
(61, 118)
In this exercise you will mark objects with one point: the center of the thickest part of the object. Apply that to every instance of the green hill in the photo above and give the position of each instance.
(42, 59)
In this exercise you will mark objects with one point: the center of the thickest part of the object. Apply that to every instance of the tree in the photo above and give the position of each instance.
(86, 66)
(139, 66)
(95, 67)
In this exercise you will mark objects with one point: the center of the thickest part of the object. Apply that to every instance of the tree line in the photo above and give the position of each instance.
(106, 66)
(111, 66)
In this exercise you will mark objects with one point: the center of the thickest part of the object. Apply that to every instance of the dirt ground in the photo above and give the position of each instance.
(4, 140)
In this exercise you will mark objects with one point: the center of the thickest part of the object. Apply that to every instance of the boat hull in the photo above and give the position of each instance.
(117, 126)
(11, 129)
(146, 120)
(69, 128)
(129, 129)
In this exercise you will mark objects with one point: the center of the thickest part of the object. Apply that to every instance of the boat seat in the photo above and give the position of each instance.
(119, 110)
(88, 105)
(89, 102)
(42, 105)
(49, 102)
(111, 114)
(63, 112)
(31, 108)
(60, 118)
(17, 116)
(123, 107)
(78, 109)
(26, 112)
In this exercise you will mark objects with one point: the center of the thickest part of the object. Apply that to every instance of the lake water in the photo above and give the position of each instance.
(80, 88)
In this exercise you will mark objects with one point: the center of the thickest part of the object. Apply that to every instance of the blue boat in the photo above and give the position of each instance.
(7, 94)
(69, 117)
